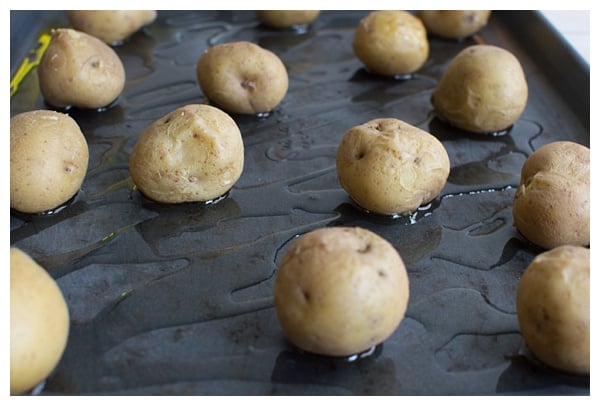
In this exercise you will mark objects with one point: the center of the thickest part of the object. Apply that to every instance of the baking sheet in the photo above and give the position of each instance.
(177, 299)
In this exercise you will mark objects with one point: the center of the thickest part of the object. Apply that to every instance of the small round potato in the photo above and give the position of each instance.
(339, 291)
(193, 154)
(483, 90)
(552, 203)
(553, 308)
(286, 18)
(48, 160)
(390, 167)
(391, 42)
(79, 70)
(242, 77)
(111, 26)
(454, 24)
(39, 323)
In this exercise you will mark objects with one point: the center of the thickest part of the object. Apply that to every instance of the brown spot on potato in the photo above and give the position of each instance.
(366, 248)
(249, 84)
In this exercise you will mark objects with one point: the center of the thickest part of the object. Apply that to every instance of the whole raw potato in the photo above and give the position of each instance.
(552, 203)
(483, 90)
(454, 24)
(48, 160)
(193, 154)
(79, 70)
(390, 167)
(242, 77)
(340, 291)
(39, 323)
(391, 42)
(286, 18)
(111, 26)
(553, 308)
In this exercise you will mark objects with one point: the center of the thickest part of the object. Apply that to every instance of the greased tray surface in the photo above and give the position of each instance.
(177, 299)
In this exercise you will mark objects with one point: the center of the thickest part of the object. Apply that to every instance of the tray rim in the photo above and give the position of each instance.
(548, 48)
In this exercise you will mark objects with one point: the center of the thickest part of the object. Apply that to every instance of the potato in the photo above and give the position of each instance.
(79, 70)
(193, 154)
(390, 167)
(454, 24)
(552, 203)
(242, 77)
(339, 291)
(286, 18)
(553, 308)
(48, 160)
(483, 90)
(110, 26)
(391, 42)
(39, 323)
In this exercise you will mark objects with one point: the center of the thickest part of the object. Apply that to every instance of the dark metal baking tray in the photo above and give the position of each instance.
(177, 299)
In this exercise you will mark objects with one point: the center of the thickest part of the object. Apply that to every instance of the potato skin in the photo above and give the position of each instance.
(193, 154)
(553, 308)
(340, 291)
(552, 203)
(110, 26)
(39, 323)
(79, 70)
(390, 167)
(48, 160)
(454, 24)
(483, 90)
(391, 42)
(242, 77)
(286, 18)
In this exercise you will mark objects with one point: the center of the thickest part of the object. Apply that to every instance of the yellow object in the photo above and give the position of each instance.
(29, 63)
